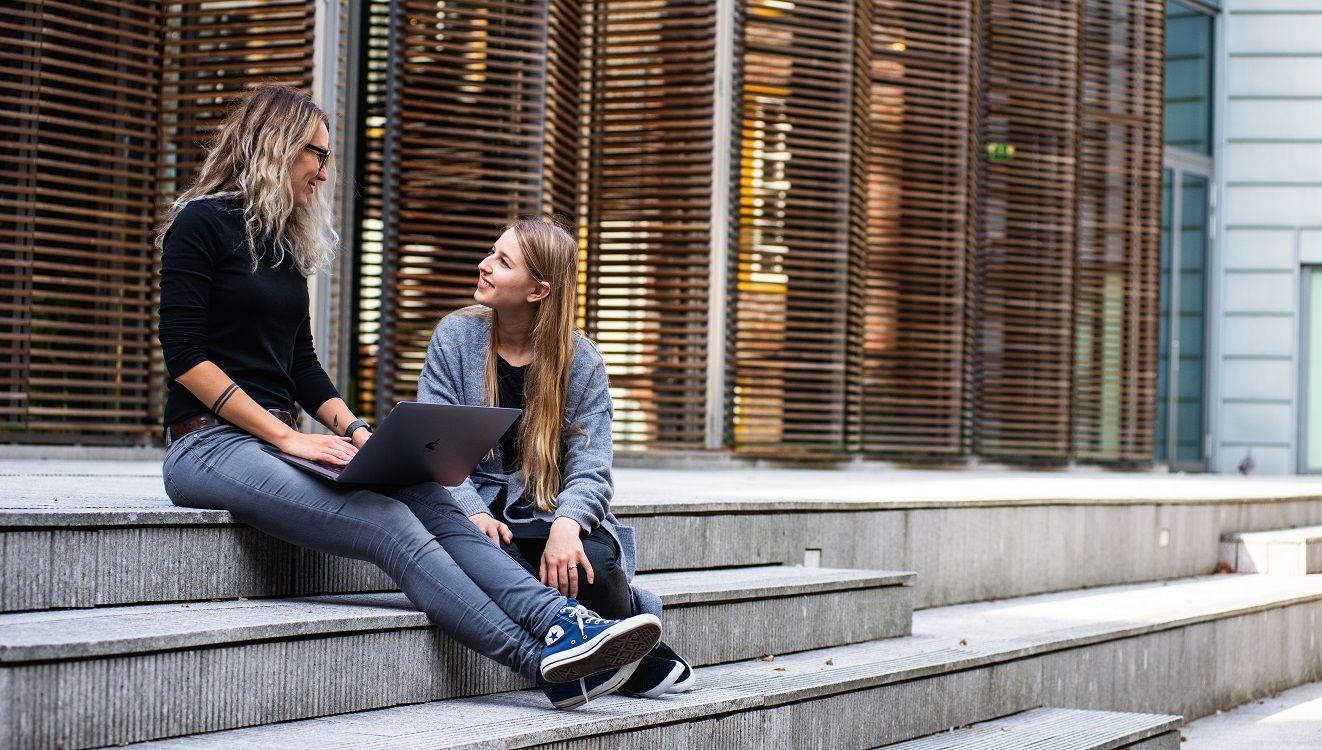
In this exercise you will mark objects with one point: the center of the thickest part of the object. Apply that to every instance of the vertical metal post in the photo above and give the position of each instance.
(349, 208)
(325, 81)
(385, 361)
(1173, 367)
(717, 302)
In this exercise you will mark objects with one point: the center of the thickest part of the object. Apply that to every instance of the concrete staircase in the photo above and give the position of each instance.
(127, 620)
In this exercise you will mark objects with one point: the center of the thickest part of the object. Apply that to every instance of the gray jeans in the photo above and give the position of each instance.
(467, 586)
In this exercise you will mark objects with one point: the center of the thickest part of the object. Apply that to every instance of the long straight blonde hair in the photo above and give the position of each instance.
(250, 158)
(551, 254)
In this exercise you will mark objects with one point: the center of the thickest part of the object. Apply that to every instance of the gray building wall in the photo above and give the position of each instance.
(1270, 175)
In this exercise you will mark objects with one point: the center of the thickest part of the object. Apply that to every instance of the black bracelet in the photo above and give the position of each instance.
(348, 431)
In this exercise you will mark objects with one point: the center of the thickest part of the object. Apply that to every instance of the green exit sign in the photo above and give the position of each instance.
(1000, 151)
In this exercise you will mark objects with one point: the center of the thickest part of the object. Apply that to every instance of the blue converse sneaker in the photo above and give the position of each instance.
(579, 643)
(565, 695)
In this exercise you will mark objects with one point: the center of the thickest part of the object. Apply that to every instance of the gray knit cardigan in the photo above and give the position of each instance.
(453, 374)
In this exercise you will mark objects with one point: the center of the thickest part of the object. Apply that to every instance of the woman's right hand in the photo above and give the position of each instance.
(491, 528)
(327, 449)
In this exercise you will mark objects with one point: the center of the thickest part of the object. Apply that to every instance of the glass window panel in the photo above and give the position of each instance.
(1190, 407)
(1188, 79)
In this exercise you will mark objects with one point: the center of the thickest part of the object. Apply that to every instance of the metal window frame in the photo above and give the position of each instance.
(1182, 163)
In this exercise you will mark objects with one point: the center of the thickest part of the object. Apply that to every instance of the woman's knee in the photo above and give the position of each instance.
(603, 556)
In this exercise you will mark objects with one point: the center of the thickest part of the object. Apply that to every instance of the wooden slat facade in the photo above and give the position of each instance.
(78, 132)
(1024, 271)
(1116, 280)
(647, 212)
(471, 104)
(920, 228)
(106, 108)
(896, 289)
(793, 251)
(214, 53)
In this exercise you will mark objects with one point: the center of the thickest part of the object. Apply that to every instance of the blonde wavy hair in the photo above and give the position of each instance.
(250, 158)
(551, 253)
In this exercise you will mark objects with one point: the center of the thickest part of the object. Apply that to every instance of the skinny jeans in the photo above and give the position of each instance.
(465, 584)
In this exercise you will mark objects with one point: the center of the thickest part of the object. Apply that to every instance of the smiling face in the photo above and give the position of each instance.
(306, 173)
(504, 282)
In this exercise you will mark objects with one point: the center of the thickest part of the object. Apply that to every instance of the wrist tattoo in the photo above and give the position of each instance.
(223, 399)
(336, 421)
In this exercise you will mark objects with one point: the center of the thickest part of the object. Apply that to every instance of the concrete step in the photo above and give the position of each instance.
(1280, 552)
(81, 534)
(160, 670)
(1058, 729)
(1185, 648)
(1290, 720)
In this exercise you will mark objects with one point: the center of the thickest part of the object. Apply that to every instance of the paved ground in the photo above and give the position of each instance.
(30, 483)
(1289, 721)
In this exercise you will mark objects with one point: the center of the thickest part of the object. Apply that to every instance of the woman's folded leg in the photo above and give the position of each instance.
(517, 591)
(226, 468)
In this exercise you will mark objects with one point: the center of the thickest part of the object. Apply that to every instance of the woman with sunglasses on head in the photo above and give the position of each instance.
(234, 328)
(544, 493)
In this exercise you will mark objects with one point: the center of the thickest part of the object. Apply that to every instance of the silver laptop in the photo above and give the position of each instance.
(418, 443)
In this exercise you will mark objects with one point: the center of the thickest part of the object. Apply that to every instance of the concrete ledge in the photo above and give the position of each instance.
(1281, 552)
(118, 631)
(1058, 729)
(1187, 648)
(93, 535)
(108, 493)
(964, 554)
(160, 670)
(98, 566)
(80, 534)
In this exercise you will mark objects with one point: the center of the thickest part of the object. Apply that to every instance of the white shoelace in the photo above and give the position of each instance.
(584, 615)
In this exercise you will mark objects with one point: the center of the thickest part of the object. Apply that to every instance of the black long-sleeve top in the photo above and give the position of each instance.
(253, 325)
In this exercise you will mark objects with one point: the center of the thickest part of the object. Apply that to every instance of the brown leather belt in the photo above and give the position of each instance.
(207, 419)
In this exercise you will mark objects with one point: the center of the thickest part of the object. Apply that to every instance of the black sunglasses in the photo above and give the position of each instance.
(322, 155)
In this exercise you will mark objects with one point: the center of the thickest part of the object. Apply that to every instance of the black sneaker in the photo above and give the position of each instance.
(566, 695)
(654, 678)
(687, 679)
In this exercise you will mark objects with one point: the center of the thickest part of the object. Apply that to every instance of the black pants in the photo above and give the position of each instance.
(609, 595)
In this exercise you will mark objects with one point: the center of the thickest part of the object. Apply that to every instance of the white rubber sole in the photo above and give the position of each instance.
(687, 684)
(605, 688)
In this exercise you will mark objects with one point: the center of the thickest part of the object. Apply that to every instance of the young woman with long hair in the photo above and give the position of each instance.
(543, 494)
(237, 249)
